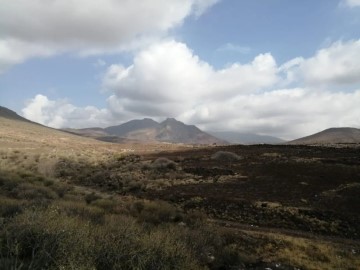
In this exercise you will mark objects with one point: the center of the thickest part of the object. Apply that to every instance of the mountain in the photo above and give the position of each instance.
(331, 136)
(132, 126)
(170, 130)
(245, 138)
(9, 114)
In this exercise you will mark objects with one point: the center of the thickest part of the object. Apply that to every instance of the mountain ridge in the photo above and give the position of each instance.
(170, 130)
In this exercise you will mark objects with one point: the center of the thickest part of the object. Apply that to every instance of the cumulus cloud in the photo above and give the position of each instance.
(287, 113)
(38, 27)
(167, 79)
(61, 113)
(339, 64)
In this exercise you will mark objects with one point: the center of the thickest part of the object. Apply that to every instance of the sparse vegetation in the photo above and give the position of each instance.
(74, 203)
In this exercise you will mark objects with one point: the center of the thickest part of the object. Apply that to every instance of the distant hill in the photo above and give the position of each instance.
(147, 130)
(331, 136)
(245, 138)
(170, 130)
(127, 128)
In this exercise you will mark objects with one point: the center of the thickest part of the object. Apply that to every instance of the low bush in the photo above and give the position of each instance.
(89, 198)
(10, 207)
(155, 212)
(163, 164)
(226, 156)
(50, 240)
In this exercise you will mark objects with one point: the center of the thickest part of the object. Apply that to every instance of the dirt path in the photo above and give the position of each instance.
(287, 232)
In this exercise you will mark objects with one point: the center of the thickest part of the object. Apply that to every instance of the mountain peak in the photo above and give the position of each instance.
(170, 120)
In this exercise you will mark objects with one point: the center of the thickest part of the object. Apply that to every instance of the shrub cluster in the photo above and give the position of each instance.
(226, 156)
(49, 240)
(163, 164)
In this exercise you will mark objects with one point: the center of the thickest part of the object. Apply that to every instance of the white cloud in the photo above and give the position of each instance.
(352, 3)
(169, 80)
(339, 63)
(86, 26)
(287, 113)
(61, 113)
(13, 52)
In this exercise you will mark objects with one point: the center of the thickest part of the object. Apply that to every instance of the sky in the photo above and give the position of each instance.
(285, 68)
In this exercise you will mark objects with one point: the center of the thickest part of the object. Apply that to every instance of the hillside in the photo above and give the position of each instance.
(172, 130)
(331, 136)
(245, 138)
(9, 114)
(19, 133)
(87, 132)
(132, 126)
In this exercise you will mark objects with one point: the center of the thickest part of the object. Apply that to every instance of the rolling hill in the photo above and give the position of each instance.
(331, 136)
(16, 132)
(245, 138)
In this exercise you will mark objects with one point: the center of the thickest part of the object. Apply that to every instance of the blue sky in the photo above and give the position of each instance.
(275, 67)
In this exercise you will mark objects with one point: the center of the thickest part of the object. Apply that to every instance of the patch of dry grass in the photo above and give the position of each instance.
(303, 253)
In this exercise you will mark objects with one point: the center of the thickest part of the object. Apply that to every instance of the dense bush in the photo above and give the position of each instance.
(50, 240)
(163, 164)
(155, 212)
(89, 198)
(226, 156)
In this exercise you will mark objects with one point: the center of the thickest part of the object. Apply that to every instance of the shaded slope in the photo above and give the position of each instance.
(134, 125)
(9, 114)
